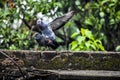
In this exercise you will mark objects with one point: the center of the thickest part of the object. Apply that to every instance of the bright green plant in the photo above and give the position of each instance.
(84, 40)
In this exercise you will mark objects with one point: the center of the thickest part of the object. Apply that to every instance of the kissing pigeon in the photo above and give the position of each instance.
(45, 31)
(47, 36)
(43, 41)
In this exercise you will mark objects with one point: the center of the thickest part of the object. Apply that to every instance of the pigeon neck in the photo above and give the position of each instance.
(44, 25)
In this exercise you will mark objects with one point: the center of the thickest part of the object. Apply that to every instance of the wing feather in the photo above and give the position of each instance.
(61, 21)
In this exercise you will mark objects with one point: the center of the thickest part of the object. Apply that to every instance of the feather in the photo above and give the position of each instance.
(61, 21)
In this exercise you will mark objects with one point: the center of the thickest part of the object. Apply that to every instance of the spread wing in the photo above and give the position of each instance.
(55, 24)
(32, 25)
(61, 21)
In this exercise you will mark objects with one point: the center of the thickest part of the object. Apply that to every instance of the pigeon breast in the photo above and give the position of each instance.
(48, 33)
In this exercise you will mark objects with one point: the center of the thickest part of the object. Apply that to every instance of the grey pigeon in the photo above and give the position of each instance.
(43, 41)
(45, 32)
(55, 24)
(47, 36)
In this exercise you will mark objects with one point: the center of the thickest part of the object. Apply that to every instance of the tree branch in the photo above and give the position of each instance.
(13, 62)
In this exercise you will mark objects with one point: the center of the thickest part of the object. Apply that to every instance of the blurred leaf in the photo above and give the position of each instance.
(88, 44)
(93, 47)
(101, 47)
(87, 6)
(58, 4)
(87, 33)
(88, 22)
(12, 47)
(112, 21)
(95, 5)
(74, 35)
(74, 45)
(77, 2)
(80, 39)
(104, 1)
(118, 14)
(102, 14)
(98, 41)
(86, 41)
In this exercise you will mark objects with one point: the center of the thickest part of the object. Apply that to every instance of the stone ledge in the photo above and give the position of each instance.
(64, 60)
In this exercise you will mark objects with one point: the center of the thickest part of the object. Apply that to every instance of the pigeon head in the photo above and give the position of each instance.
(41, 24)
(37, 36)
(40, 39)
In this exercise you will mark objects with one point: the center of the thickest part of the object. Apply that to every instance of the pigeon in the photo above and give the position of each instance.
(44, 32)
(47, 36)
(43, 41)
(55, 24)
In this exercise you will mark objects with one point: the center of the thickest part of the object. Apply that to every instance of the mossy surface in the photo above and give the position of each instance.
(65, 60)
(78, 63)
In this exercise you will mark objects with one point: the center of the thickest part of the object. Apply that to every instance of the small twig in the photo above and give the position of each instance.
(65, 35)
(30, 33)
(13, 62)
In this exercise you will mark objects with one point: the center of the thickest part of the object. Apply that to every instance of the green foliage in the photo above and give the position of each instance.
(117, 48)
(15, 39)
(101, 17)
(84, 40)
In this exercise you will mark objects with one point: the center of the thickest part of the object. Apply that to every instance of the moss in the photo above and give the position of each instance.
(28, 63)
(81, 63)
(76, 61)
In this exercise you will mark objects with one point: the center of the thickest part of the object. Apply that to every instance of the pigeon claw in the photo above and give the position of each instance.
(49, 41)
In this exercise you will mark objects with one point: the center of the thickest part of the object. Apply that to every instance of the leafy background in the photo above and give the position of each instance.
(95, 26)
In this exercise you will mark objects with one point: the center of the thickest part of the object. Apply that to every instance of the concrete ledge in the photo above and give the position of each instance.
(60, 65)
(64, 60)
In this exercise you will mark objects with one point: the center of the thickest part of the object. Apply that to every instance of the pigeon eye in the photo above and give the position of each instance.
(39, 21)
